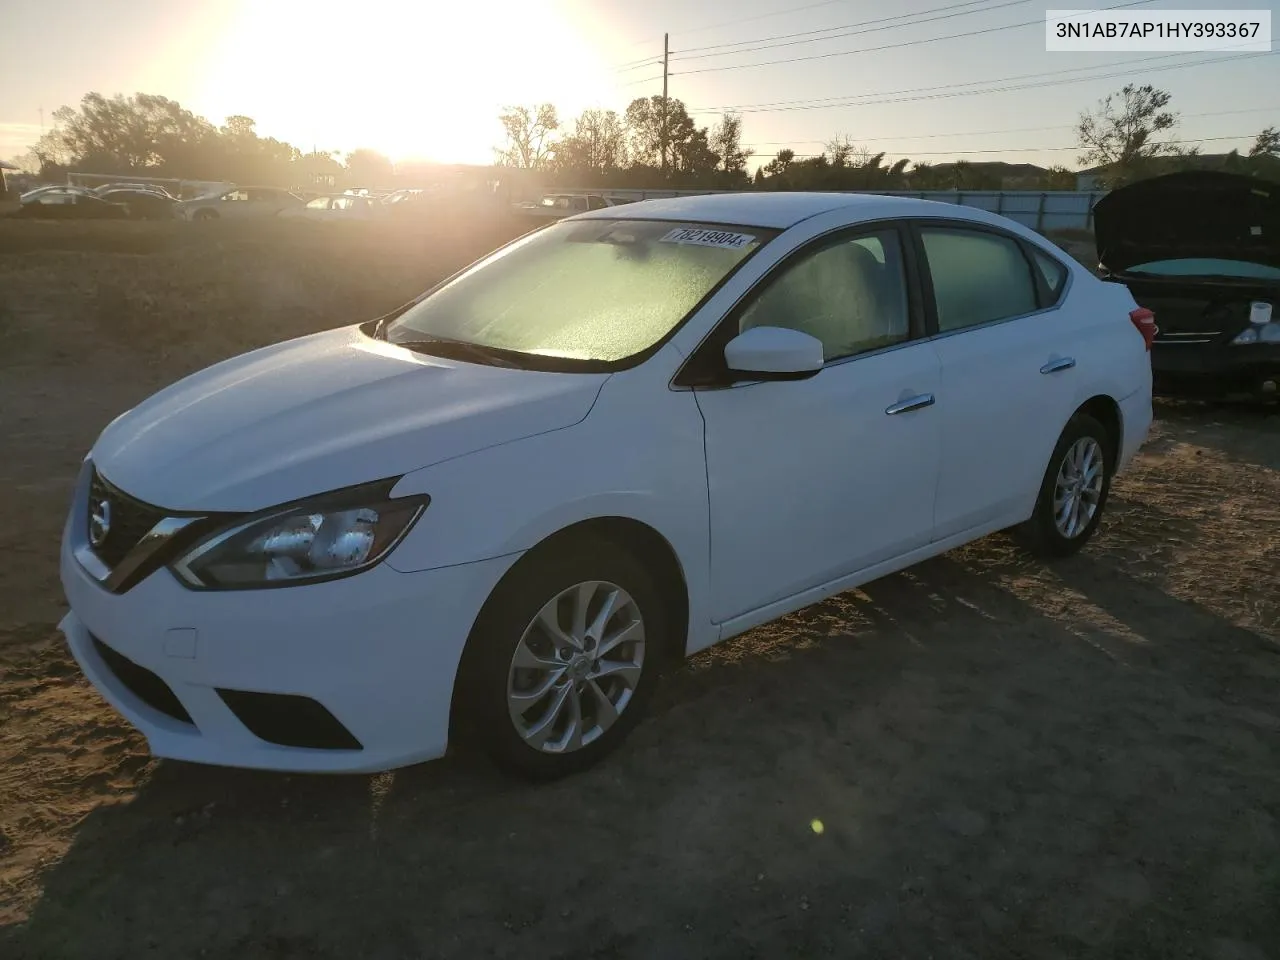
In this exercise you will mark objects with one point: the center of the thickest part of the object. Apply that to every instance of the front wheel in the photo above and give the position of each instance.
(563, 660)
(1073, 492)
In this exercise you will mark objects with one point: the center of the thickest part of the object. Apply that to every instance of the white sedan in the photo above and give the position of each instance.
(335, 208)
(500, 510)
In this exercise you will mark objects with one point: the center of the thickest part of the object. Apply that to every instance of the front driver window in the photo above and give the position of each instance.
(851, 295)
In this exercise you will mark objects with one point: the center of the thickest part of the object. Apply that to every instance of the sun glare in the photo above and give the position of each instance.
(415, 80)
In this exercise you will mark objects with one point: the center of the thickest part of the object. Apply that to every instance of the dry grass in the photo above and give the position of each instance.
(175, 296)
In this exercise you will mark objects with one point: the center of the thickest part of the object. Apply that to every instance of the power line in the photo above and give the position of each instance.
(760, 16)
(944, 86)
(953, 153)
(786, 39)
(896, 46)
(988, 90)
(849, 99)
(686, 54)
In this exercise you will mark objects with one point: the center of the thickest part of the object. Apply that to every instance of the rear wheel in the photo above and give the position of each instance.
(1073, 493)
(563, 660)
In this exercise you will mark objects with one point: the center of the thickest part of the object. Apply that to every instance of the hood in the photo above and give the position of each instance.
(1199, 214)
(322, 412)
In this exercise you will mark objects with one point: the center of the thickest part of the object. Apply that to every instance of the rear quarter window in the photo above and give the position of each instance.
(1053, 273)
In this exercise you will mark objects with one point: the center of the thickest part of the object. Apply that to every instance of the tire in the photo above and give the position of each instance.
(205, 214)
(509, 625)
(1086, 441)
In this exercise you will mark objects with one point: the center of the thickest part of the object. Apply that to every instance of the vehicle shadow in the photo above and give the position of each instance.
(1242, 432)
(952, 761)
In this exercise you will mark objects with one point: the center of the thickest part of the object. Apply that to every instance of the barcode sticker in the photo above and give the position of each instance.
(709, 238)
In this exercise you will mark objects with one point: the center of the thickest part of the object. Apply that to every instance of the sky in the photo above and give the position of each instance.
(424, 79)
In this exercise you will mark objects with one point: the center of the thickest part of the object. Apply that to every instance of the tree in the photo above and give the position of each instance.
(780, 163)
(124, 134)
(1267, 144)
(652, 120)
(368, 168)
(645, 130)
(246, 157)
(1122, 134)
(691, 154)
(1059, 178)
(529, 132)
(726, 141)
(596, 149)
(840, 151)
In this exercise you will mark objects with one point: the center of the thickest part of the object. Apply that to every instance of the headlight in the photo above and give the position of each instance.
(318, 540)
(1270, 333)
(1260, 329)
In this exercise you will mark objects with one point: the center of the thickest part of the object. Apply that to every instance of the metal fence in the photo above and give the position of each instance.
(1041, 210)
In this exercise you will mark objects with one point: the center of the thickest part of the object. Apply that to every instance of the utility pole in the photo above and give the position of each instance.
(666, 54)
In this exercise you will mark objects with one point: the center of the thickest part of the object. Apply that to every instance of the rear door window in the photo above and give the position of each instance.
(978, 277)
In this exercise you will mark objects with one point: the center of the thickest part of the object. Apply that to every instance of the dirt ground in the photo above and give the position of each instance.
(982, 757)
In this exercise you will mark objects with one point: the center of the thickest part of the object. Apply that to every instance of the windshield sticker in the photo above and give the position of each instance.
(708, 238)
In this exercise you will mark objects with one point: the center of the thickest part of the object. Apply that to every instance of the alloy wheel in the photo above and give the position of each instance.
(1078, 488)
(576, 667)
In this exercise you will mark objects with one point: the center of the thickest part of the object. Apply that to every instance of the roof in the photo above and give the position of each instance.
(773, 210)
(7, 166)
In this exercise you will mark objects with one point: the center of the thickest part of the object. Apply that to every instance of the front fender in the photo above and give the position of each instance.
(643, 461)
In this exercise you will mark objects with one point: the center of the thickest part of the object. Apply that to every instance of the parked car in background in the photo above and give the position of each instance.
(142, 204)
(239, 203)
(1202, 250)
(558, 205)
(342, 207)
(68, 203)
(608, 445)
(106, 188)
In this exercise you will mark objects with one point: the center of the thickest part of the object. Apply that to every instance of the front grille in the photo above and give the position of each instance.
(128, 520)
(289, 720)
(142, 683)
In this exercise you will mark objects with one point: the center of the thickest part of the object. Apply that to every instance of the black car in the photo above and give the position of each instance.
(1201, 249)
(142, 204)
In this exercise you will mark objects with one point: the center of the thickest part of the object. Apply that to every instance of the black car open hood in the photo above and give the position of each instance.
(1191, 215)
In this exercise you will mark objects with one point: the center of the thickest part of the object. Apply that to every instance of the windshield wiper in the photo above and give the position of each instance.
(456, 349)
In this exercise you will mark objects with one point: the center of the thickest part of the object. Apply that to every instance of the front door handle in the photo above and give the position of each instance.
(1054, 366)
(911, 403)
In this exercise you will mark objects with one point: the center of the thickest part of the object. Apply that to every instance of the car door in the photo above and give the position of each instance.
(234, 204)
(813, 479)
(1008, 371)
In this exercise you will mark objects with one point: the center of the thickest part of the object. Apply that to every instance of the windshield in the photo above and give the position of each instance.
(583, 290)
(1207, 267)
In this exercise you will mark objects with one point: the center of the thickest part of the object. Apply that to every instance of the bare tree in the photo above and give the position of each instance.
(598, 144)
(841, 151)
(529, 132)
(1123, 132)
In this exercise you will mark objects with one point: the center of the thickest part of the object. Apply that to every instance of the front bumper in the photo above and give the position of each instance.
(376, 653)
(1216, 369)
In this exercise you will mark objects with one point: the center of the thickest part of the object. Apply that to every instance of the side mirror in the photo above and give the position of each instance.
(774, 353)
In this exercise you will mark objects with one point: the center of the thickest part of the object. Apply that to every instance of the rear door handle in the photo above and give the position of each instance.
(1055, 366)
(911, 403)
